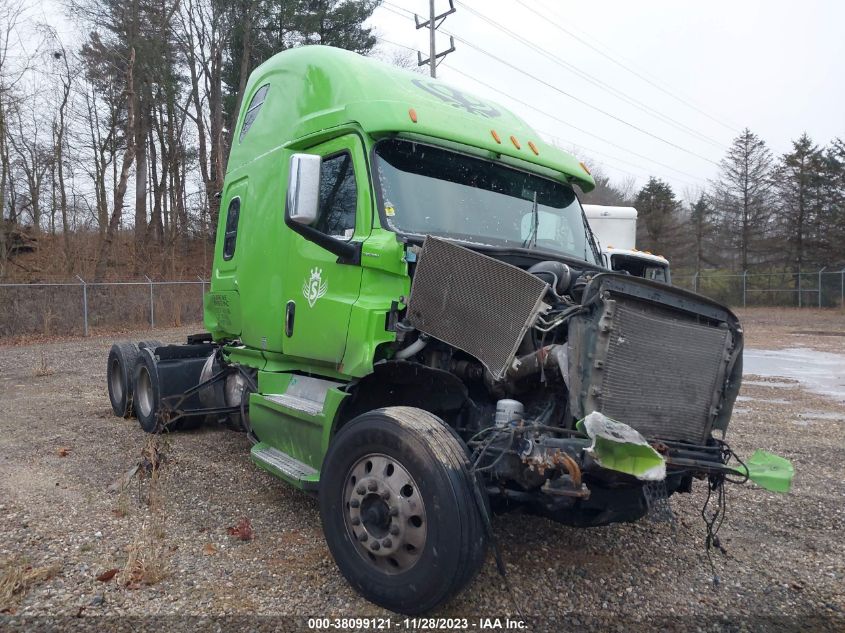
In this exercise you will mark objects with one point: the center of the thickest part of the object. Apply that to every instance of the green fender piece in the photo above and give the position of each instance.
(770, 471)
(619, 447)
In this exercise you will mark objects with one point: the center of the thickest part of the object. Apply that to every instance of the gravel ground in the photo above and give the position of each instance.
(61, 449)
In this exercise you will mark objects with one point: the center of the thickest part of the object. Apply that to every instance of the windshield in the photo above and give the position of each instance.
(427, 190)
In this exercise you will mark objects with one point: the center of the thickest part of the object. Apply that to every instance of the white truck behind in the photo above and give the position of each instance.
(615, 228)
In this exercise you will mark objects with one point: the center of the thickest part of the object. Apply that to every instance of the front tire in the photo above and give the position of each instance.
(398, 509)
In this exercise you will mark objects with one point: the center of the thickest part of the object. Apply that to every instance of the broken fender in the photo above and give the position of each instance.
(617, 446)
(770, 471)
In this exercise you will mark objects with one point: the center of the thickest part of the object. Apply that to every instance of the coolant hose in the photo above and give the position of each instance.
(413, 349)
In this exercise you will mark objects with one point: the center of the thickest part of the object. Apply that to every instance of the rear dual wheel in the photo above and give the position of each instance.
(399, 511)
(132, 379)
(147, 392)
(152, 344)
(123, 357)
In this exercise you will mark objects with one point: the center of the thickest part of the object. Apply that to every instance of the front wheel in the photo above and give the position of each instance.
(398, 509)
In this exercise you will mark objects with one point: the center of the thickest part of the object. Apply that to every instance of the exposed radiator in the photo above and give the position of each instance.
(476, 303)
(659, 372)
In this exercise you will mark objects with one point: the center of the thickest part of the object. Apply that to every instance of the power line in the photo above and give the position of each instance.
(387, 41)
(567, 94)
(595, 81)
(686, 102)
(404, 13)
(573, 126)
(592, 150)
(584, 102)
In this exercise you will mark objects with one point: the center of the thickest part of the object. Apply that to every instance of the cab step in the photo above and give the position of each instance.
(296, 403)
(304, 395)
(283, 465)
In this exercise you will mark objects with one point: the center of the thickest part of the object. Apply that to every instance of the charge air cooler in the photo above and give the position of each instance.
(660, 359)
(473, 302)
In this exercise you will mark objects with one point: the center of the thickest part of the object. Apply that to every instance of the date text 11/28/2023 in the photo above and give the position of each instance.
(416, 624)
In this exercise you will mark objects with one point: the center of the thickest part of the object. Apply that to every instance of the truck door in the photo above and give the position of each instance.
(320, 291)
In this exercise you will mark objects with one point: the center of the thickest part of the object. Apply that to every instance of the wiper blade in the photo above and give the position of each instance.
(531, 241)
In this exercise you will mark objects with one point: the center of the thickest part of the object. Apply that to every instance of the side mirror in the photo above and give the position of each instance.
(303, 204)
(303, 198)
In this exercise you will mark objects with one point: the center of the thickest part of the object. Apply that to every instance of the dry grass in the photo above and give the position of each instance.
(122, 508)
(17, 577)
(42, 368)
(147, 562)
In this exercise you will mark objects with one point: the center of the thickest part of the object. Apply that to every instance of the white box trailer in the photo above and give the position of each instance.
(615, 229)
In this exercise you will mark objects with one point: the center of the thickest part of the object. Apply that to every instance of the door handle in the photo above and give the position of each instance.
(290, 314)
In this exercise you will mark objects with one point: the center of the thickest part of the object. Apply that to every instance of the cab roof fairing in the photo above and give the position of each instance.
(321, 87)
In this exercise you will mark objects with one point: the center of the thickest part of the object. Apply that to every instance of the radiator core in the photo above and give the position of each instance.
(473, 302)
(652, 370)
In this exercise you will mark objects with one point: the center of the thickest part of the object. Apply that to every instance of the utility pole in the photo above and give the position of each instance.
(433, 22)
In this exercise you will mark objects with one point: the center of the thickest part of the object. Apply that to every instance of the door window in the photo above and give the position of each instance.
(338, 197)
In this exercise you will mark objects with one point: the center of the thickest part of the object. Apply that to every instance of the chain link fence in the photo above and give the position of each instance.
(79, 307)
(818, 289)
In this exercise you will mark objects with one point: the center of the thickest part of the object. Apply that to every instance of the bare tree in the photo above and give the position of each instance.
(122, 183)
(202, 33)
(11, 73)
(64, 76)
(401, 58)
(32, 159)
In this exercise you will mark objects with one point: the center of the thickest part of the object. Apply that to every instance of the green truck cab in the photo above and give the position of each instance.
(409, 317)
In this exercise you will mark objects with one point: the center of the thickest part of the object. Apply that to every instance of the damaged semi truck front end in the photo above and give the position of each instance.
(661, 360)
(408, 316)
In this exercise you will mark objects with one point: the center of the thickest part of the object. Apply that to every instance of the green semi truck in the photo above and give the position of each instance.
(409, 317)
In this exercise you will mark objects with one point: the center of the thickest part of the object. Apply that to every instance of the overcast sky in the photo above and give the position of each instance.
(775, 67)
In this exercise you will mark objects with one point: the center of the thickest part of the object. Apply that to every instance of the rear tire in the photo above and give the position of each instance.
(398, 509)
(147, 392)
(120, 371)
(151, 344)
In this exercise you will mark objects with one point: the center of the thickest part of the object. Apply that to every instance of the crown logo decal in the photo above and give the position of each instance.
(314, 287)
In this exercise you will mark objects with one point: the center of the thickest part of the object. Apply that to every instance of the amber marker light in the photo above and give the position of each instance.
(584, 167)
(413, 114)
(515, 142)
(533, 148)
(495, 136)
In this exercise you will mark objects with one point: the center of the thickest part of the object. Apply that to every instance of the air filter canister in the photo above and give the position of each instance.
(507, 411)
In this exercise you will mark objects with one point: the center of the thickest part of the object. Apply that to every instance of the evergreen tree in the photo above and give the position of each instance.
(657, 222)
(742, 197)
(799, 178)
(701, 222)
(262, 28)
(831, 230)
